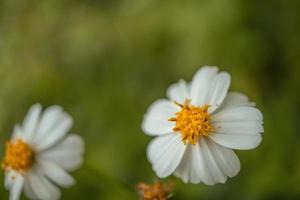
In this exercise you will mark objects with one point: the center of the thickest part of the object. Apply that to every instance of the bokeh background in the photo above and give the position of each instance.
(106, 61)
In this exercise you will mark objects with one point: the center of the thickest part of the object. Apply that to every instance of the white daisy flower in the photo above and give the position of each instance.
(198, 128)
(40, 154)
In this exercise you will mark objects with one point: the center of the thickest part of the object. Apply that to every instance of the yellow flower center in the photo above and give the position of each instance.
(192, 122)
(18, 156)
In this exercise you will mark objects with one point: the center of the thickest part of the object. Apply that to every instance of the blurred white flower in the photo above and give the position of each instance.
(198, 128)
(39, 154)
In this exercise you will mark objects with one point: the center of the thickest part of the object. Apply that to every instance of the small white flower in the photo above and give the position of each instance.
(198, 128)
(40, 153)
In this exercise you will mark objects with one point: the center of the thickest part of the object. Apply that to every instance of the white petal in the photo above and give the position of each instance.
(72, 145)
(201, 83)
(209, 87)
(49, 119)
(238, 127)
(28, 190)
(178, 92)
(156, 120)
(61, 128)
(8, 181)
(187, 169)
(10, 177)
(209, 163)
(212, 172)
(67, 154)
(43, 188)
(218, 91)
(165, 153)
(237, 141)
(31, 121)
(226, 159)
(238, 114)
(235, 99)
(56, 173)
(16, 188)
(70, 164)
(201, 165)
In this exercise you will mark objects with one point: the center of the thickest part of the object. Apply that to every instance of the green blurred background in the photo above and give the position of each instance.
(106, 61)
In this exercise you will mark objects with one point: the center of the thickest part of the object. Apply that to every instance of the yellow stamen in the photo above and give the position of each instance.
(192, 122)
(18, 156)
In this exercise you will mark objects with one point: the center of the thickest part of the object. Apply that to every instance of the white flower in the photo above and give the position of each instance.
(40, 153)
(198, 128)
